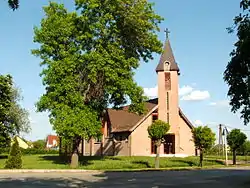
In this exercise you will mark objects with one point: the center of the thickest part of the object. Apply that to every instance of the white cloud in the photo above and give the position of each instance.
(186, 93)
(212, 103)
(196, 95)
(40, 126)
(198, 122)
(220, 103)
(151, 92)
(184, 90)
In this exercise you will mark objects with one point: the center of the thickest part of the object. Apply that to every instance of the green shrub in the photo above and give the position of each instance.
(34, 151)
(14, 160)
(39, 144)
(5, 150)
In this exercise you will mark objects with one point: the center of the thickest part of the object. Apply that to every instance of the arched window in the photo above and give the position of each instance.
(167, 66)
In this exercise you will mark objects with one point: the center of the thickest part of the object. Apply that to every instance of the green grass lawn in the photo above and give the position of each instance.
(230, 157)
(108, 163)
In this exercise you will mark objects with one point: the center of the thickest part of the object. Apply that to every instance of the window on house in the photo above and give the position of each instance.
(155, 117)
(153, 147)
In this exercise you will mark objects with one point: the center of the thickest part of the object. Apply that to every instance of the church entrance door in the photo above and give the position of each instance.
(169, 144)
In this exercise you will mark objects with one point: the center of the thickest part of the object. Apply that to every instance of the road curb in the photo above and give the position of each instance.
(2, 171)
(47, 171)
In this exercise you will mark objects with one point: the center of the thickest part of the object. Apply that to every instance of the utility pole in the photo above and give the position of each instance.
(225, 132)
(225, 137)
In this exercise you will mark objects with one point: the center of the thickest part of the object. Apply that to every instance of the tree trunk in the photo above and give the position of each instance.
(60, 146)
(157, 158)
(66, 150)
(75, 153)
(201, 157)
(234, 157)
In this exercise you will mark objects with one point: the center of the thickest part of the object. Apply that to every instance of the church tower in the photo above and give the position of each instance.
(168, 97)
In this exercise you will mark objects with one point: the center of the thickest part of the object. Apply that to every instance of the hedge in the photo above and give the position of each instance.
(33, 151)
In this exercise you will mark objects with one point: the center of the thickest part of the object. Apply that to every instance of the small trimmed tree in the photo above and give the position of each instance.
(156, 132)
(235, 139)
(204, 139)
(14, 160)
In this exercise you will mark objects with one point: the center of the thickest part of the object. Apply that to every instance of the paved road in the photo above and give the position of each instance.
(222, 178)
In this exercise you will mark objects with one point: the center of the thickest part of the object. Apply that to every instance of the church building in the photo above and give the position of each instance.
(125, 133)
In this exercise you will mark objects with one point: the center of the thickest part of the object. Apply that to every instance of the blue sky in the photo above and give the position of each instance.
(198, 37)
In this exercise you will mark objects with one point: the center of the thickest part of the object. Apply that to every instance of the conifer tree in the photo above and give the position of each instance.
(14, 160)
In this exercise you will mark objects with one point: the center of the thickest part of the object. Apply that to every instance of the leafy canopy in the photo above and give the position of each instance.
(13, 4)
(89, 57)
(244, 149)
(236, 139)
(13, 118)
(237, 73)
(203, 137)
(158, 130)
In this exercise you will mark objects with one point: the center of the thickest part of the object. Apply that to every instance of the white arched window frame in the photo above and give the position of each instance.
(166, 66)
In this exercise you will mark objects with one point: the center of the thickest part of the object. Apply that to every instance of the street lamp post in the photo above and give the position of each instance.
(225, 132)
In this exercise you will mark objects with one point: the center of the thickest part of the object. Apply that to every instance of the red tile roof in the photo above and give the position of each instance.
(50, 139)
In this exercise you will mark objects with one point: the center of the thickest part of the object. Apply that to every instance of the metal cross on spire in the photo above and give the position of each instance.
(167, 33)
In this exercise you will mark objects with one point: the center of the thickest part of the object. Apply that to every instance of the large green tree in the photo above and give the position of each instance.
(88, 60)
(244, 149)
(156, 133)
(13, 118)
(237, 73)
(5, 105)
(235, 139)
(204, 139)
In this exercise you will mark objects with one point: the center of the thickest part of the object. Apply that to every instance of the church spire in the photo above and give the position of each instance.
(167, 60)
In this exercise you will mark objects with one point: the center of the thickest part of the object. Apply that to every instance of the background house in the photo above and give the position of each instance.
(52, 142)
(21, 142)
